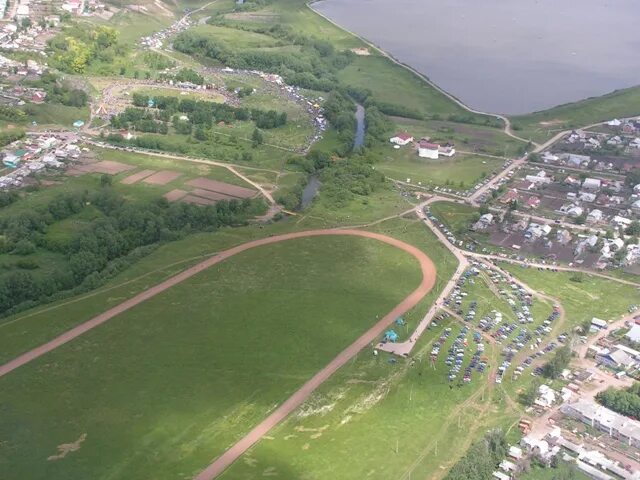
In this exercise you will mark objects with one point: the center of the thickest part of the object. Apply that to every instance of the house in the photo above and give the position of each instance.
(615, 141)
(22, 12)
(563, 237)
(428, 150)
(633, 335)
(546, 396)
(447, 150)
(401, 139)
(592, 143)
(617, 359)
(599, 324)
(510, 196)
(621, 221)
(592, 184)
(614, 123)
(635, 207)
(574, 211)
(483, 222)
(548, 157)
(498, 475)
(532, 202)
(539, 178)
(515, 452)
(587, 197)
(594, 216)
(571, 181)
(576, 161)
(636, 188)
(38, 97)
(601, 418)
(536, 231)
(11, 160)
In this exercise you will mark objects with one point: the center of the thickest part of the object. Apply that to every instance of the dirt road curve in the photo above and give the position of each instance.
(428, 280)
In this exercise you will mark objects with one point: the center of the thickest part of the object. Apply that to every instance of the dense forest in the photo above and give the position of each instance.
(120, 232)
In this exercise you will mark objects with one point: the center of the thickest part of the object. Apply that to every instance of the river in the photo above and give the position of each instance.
(505, 56)
(313, 185)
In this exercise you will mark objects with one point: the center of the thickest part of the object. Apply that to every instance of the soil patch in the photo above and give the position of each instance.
(198, 200)
(220, 187)
(108, 166)
(66, 448)
(174, 195)
(198, 192)
(162, 177)
(136, 177)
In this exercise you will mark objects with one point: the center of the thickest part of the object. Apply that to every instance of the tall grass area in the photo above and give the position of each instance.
(542, 125)
(160, 390)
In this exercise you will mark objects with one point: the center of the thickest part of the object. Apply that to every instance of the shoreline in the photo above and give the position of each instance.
(503, 118)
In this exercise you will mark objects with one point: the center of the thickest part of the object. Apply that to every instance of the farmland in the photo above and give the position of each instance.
(207, 346)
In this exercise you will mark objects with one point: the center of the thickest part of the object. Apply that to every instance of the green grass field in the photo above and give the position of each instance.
(591, 297)
(466, 137)
(542, 125)
(454, 215)
(460, 172)
(396, 420)
(204, 361)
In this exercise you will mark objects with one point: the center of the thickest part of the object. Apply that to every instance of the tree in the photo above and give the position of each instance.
(257, 138)
(106, 180)
(24, 247)
(554, 367)
(633, 228)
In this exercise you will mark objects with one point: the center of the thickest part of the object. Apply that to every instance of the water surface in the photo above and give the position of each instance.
(505, 56)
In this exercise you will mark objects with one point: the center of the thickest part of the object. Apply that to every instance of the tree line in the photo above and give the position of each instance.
(199, 113)
(120, 229)
(482, 458)
(625, 402)
(314, 67)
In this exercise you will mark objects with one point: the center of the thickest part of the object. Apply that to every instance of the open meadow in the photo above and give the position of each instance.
(167, 386)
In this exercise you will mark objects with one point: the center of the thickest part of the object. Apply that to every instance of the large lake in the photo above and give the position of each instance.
(505, 56)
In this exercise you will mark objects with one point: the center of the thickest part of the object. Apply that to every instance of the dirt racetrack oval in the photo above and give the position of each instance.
(221, 463)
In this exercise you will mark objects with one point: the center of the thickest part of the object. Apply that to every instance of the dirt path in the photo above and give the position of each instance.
(295, 400)
(428, 281)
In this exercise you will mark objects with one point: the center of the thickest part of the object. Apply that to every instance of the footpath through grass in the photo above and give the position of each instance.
(160, 390)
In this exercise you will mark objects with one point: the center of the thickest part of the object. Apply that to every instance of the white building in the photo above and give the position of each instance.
(401, 139)
(614, 424)
(594, 216)
(634, 334)
(591, 184)
(428, 150)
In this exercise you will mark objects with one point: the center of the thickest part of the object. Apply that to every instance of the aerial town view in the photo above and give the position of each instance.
(318, 240)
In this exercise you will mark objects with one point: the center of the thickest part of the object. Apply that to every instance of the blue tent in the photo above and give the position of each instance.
(78, 123)
(390, 336)
(400, 321)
